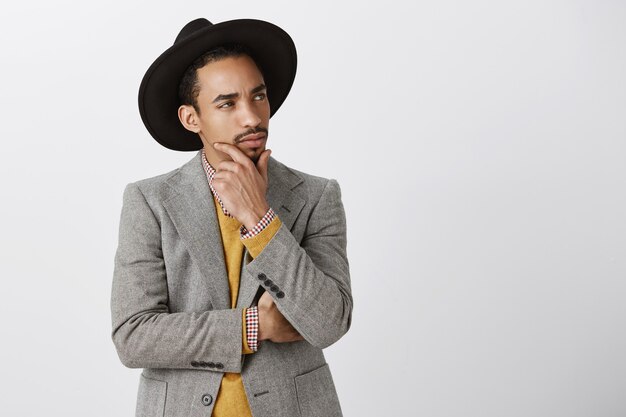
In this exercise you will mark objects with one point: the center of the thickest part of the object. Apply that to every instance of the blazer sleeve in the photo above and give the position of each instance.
(145, 333)
(310, 281)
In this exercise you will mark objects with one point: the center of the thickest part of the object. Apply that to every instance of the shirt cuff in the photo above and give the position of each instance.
(262, 224)
(252, 328)
(256, 244)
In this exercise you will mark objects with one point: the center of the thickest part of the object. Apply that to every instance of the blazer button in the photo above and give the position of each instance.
(280, 294)
(207, 399)
(261, 276)
(210, 365)
(195, 364)
(274, 288)
(268, 282)
(219, 365)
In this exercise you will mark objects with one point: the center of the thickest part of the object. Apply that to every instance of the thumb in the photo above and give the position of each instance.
(261, 164)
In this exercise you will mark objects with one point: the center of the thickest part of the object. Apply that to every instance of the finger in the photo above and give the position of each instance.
(266, 303)
(223, 175)
(228, 166)
(261, 164)
(295, 337)
(266, 300)
(234, 152)
(222, 181)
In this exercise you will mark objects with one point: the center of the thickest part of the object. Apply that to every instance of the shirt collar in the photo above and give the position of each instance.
(210, 173)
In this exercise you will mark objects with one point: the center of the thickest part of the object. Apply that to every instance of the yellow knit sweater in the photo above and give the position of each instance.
(231, 399)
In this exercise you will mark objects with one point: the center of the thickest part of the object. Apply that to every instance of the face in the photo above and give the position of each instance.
(233, 108)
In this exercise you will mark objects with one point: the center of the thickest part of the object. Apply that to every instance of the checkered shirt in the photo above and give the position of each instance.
(252, 328)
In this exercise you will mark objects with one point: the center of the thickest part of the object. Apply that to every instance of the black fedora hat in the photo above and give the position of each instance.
(271, 47)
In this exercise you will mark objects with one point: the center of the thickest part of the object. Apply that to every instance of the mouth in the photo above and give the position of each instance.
(253, 141)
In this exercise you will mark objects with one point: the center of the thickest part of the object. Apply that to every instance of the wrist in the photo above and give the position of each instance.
(262, 331)
(254, 217)
(260, 225)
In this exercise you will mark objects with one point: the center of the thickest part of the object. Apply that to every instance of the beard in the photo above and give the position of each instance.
(256, 154)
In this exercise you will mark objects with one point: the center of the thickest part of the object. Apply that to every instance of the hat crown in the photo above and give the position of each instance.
(192, 27)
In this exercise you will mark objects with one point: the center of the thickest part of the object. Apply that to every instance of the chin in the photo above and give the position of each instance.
(256, 154)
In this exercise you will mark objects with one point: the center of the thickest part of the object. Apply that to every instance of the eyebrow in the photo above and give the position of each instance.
(256, 89)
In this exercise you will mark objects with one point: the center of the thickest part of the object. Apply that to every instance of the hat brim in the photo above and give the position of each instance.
(272, 48)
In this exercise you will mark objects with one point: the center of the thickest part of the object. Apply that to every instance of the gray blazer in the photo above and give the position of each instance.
(170, 302)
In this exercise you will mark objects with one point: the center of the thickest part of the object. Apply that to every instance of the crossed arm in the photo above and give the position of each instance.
(313, 276)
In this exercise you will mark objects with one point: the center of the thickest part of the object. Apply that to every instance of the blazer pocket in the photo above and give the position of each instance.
(151, 397)
(316, 393)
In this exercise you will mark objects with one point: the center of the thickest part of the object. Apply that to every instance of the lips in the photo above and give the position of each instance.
(253, 141)
(253, 137)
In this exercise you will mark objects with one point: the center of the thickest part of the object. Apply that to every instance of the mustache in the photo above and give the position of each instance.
(250, 131)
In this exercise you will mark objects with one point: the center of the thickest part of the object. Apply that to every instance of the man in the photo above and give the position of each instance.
(231, 273)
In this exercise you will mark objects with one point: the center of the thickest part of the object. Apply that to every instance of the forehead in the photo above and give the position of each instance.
(229, 75)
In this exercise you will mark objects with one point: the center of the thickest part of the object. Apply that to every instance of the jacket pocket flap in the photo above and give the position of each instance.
(316, 393)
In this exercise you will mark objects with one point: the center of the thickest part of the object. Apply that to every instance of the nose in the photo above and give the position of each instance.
(249, 116)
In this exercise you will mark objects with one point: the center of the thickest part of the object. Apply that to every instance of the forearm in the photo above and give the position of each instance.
(145, 333)
(317, 303)
(257, 244)
(153, 339)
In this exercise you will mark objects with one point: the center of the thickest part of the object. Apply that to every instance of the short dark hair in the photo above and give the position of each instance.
(189, 87)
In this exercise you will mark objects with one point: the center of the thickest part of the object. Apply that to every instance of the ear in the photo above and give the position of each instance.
(189, 118)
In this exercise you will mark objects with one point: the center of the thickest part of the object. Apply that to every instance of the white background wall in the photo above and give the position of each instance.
(480, 147)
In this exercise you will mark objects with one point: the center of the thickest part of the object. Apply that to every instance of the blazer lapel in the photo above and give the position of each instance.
(191, 207)
(192, 210)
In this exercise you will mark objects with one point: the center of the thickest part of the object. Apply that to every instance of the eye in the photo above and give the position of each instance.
(226, 105)
(262, 95)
